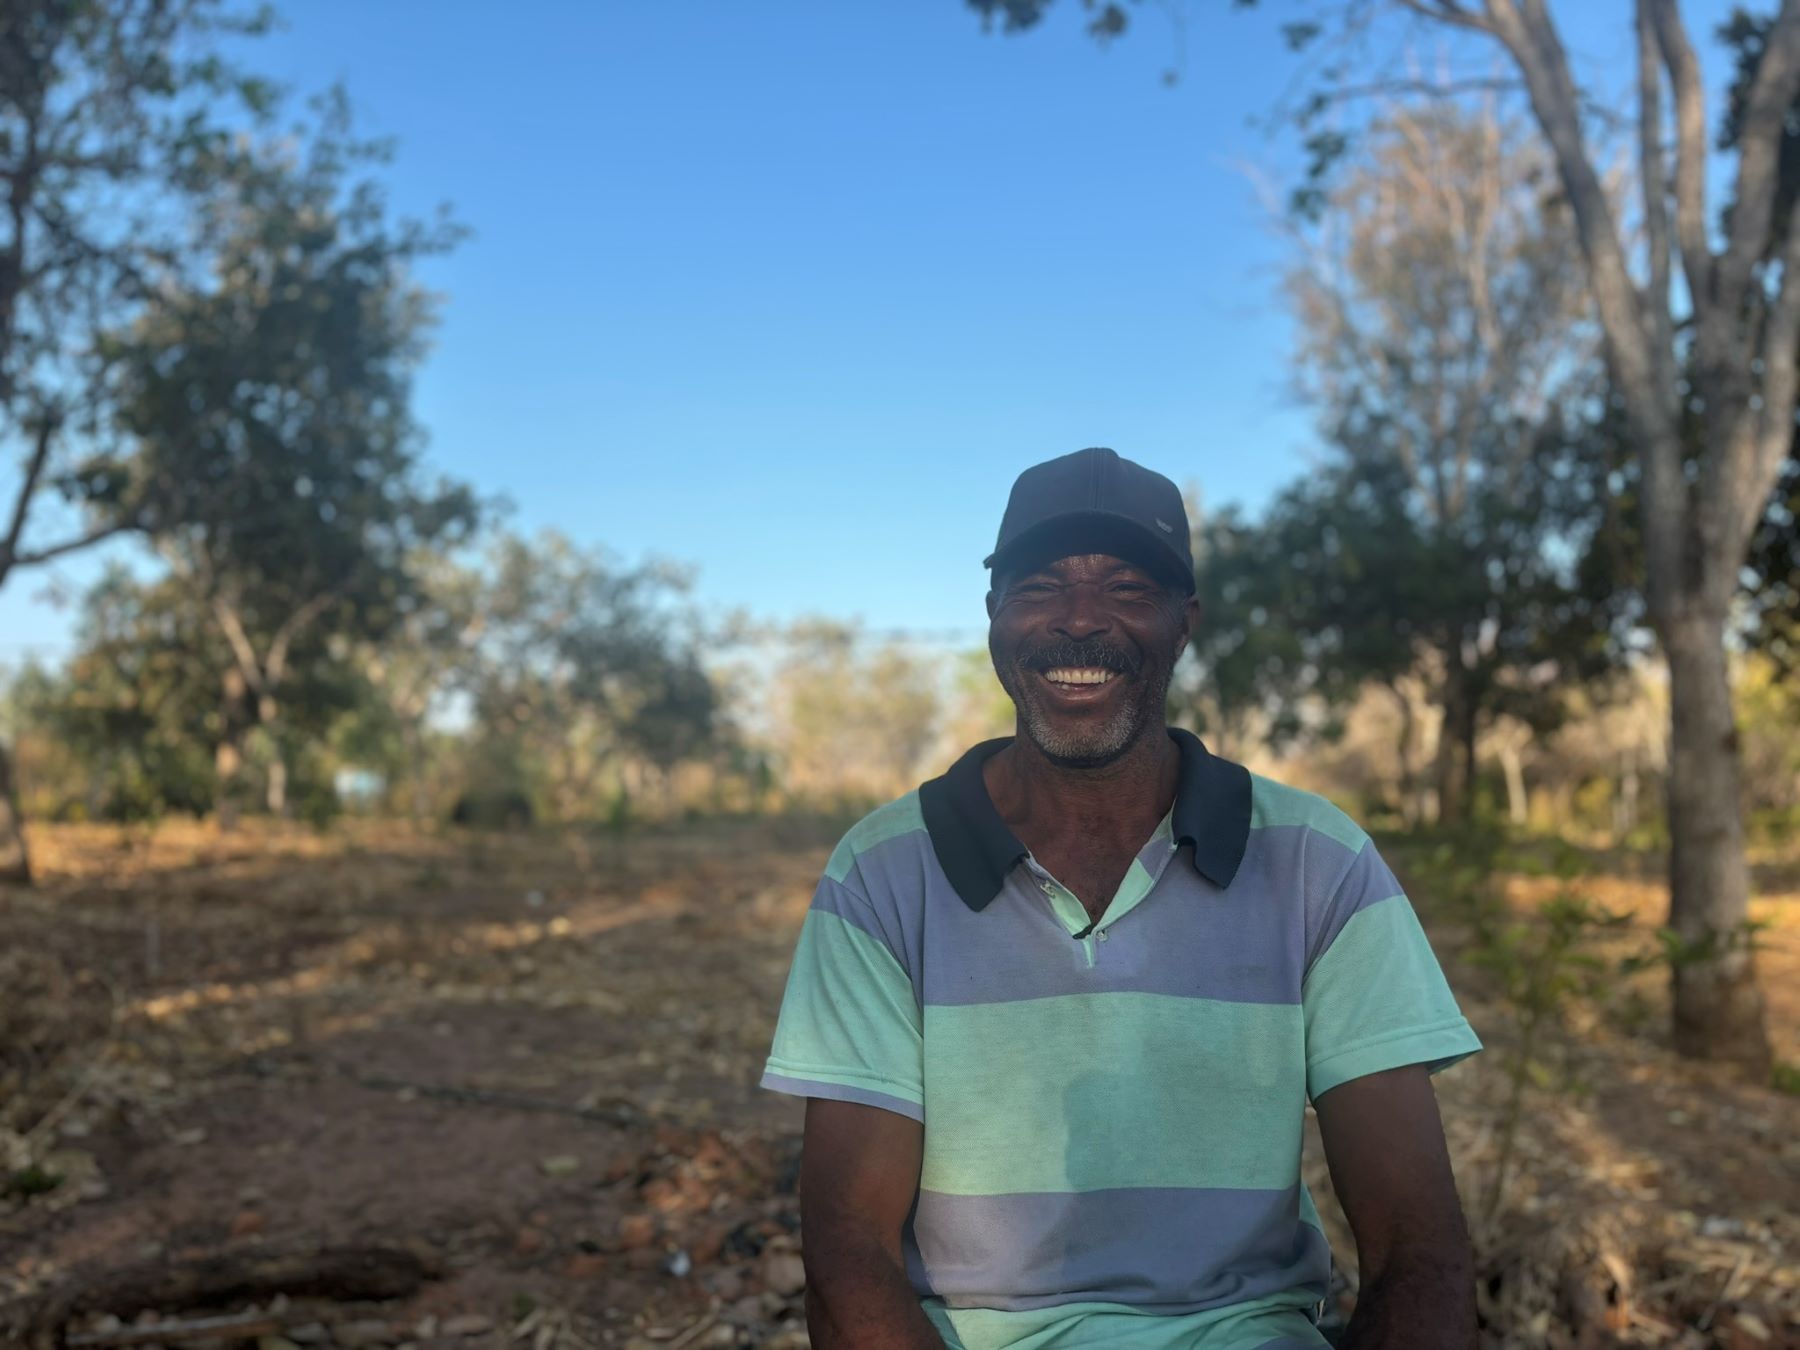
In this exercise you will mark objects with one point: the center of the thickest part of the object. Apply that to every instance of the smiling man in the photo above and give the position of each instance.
(1058, 1014)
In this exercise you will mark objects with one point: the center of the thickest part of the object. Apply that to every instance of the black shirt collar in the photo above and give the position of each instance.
(976, 848)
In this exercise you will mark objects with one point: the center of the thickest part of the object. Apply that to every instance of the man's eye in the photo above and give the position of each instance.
(1130, 588)
(1032, 588)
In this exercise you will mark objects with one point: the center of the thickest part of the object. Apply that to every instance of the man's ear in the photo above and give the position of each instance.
(1190, 622)
(993, 600)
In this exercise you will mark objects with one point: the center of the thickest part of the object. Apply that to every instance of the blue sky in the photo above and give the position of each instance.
(791, 291)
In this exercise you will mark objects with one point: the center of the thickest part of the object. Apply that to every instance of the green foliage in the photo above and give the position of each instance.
(1300, 36)
(1310, 602)
(271, 406)
(1774, 571)
(852, 722)
(142, 704)
(275, 455)
(30, 1181)
(136, 705)
(581, 666)
(1460, 525)
(1675, 951)
(493, 807)
(1785, 1078)
(1542, 966)
(112, 116)
(1341, 583)
(1106, 19)
(1541, 963)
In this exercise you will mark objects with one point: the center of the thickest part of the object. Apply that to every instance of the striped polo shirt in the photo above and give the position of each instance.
(1112, 1110)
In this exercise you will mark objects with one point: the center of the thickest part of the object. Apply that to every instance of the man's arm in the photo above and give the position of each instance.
(1385, 1144)
(859, 1173)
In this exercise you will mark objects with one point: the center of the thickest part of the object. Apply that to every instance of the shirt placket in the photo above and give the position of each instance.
(1062, 901)
(1138, 883)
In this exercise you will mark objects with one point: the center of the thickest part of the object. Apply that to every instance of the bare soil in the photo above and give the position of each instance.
(515, 1075)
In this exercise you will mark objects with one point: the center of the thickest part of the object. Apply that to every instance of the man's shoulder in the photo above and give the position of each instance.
(1275, 805)
(898, 820)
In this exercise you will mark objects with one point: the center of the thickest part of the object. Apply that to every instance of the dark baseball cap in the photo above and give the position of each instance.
(1095, 501)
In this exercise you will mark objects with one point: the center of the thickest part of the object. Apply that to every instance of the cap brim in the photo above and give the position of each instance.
(1080, 532)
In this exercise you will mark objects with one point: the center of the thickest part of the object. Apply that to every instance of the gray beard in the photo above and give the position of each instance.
(1091, 745)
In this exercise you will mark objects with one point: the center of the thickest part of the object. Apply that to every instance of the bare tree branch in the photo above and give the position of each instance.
(1781, 386)
(291, 628)
(1759, 147)
(1348, 93)
(1448, 11)
(34, 472)
(75, 545)
(1649, 402)
(1690, 149)
(242, 649)
(1653, 180)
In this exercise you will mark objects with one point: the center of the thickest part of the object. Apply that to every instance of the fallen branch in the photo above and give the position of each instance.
(51, 1118)
(619, 1113)
(694, 1332)
(345, 1274)
(1731, 1279)
(165, 1333)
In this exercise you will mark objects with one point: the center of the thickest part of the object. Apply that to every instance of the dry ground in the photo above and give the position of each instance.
(382, 1087)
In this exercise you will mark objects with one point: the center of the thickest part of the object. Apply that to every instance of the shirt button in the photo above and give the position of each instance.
(1101, 934)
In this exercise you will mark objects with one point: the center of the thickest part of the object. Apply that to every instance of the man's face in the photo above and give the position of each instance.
(1085, 646)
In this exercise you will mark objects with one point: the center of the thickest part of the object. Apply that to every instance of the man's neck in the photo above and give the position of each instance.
(1117, 803)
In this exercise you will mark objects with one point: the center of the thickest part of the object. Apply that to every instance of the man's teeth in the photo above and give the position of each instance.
(1078, 675)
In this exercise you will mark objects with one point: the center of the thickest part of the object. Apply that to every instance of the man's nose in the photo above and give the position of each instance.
(1082, 615)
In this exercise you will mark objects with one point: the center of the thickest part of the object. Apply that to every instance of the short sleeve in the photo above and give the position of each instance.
(1375, 998)
(850, 1028)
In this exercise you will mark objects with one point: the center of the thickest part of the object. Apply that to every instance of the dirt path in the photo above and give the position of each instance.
(525, 1071)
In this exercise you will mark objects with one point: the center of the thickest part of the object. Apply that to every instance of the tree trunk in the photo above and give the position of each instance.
(1718, 1006)
(421, 786)
(228, 763)
(1466, 733)
(1625, 800)
(228, 753)
(1455, 751)
(1409, 801)
(275, 798)
(275, 790)
(15, 861)
(1513, 763)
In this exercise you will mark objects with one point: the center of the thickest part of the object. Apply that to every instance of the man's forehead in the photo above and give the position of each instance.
(1081, 564)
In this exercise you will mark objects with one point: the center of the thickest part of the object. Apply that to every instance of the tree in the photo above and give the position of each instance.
(850, 724)
(582, 668)
(137, 713)
(1303, 607)
(1347, 582)
(413, 673)
(134, 706)
(270, 410)
(1771, 749)
(1708, 379)
(1444, 334)
(105, 119)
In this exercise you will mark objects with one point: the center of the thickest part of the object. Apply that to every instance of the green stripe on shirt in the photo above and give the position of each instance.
(1376, 1000)
(1072, 1072)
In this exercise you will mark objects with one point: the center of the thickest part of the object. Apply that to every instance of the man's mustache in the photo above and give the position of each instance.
(1068, 652)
